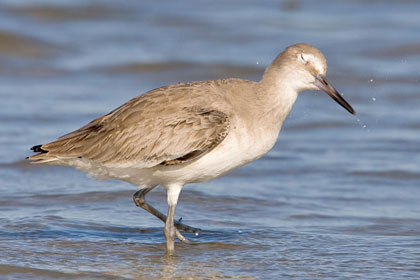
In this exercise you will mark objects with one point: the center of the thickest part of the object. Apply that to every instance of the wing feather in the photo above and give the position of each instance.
(143, 132)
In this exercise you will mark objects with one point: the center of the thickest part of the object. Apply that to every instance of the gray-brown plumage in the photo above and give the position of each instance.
(159, 127)
(193, 132)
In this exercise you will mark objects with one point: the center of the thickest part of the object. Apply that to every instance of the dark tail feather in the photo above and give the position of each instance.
(38, 149)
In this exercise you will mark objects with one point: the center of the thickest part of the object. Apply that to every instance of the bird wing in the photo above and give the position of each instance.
(148, 130)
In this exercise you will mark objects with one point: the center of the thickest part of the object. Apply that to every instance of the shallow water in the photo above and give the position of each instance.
(338, 196)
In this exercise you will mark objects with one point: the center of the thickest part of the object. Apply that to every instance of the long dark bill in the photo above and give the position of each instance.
(322, 83)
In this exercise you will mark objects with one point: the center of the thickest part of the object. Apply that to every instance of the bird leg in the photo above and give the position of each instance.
(170, 230)
(140, 201)
(173, 192)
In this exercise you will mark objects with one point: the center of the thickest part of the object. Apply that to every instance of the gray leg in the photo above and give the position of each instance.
(170, 231)
(140, 201)
(173, 192)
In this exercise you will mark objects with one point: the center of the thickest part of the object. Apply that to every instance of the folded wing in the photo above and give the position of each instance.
(146, 131)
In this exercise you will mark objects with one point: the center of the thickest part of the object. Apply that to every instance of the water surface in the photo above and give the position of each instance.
(337, 197)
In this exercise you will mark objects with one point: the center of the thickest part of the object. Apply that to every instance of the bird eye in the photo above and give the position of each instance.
(302, 57)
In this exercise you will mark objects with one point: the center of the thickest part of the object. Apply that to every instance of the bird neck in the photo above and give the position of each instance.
(276, 91)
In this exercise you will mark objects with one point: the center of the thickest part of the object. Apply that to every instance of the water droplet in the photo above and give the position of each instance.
(258, 62)
(374, 98)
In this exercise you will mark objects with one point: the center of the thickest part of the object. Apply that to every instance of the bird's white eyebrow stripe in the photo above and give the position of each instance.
(307, 56)
(316, 63)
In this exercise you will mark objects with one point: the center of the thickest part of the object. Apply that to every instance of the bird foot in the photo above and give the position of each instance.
(186, 228)
(181, 237)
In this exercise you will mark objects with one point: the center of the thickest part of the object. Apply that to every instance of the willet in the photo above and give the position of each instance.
(191, 132)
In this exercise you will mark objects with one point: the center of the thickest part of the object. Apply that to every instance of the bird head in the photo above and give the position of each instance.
(307, 66)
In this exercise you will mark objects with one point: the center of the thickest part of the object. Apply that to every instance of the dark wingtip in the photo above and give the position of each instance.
(38, 149)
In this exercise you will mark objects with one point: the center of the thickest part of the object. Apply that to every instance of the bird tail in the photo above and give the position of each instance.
(42, 156)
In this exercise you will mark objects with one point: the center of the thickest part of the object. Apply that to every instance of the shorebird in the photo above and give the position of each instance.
(191, 132)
